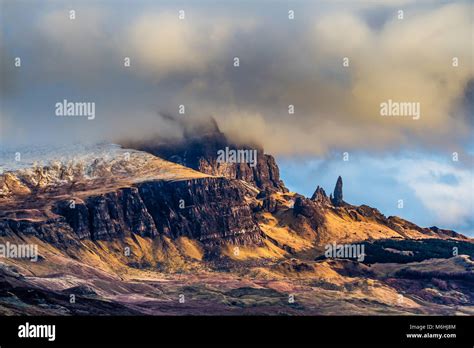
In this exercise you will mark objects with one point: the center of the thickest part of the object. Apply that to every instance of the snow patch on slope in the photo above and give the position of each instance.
(29, 168)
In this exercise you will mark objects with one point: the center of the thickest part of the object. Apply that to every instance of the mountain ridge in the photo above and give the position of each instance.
(133, 233)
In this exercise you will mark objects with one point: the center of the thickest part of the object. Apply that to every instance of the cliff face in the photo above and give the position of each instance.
(109, 215)
(265, 175)
(56, 231)
(210, 210)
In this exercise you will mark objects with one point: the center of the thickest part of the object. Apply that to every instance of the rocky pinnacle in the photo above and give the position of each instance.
(337, 196)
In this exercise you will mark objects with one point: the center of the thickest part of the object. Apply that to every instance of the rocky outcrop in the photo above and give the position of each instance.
(320, 196)
(269, 203)
(264, 175)
(445, 233)
(309, 210)
(11, 185)
(337, 198)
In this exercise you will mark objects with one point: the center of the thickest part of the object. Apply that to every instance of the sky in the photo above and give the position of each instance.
(400, 56)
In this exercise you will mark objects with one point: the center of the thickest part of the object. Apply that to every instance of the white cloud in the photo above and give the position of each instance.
(450, 202)
(164, 44)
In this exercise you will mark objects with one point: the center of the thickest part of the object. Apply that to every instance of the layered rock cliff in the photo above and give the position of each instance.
(212, 211)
